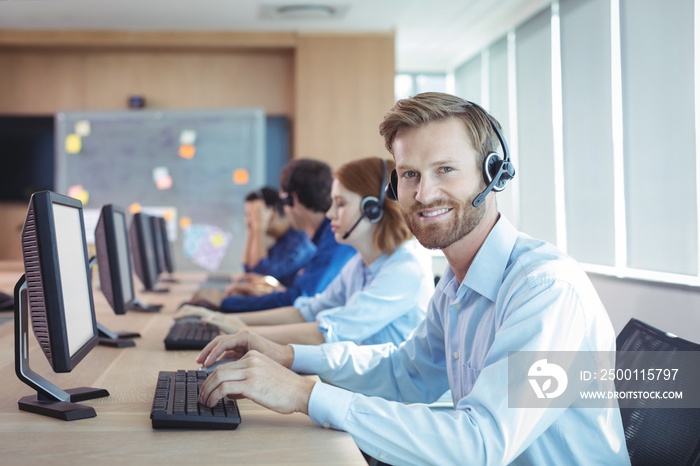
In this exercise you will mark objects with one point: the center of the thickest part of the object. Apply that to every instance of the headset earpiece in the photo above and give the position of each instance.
(392, 187)
(492, 167)
(497, 171)
(372, 209)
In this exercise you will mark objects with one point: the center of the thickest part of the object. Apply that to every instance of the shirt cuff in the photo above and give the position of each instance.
(300, 304)
(329, 405)
(326, 328)
(308, 359)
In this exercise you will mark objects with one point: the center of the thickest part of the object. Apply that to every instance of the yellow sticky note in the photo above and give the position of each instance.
(73, 144)
(217, 240)
(241, 176)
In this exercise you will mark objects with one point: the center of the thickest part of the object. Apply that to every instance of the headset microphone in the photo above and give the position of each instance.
(347, 233)
(505, 172)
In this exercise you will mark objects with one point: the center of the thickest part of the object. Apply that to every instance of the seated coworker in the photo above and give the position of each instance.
(290, 251)
(380, 295)
(503, 293)
(306, 194)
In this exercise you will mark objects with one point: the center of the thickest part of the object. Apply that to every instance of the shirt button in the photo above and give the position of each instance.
(456, 355)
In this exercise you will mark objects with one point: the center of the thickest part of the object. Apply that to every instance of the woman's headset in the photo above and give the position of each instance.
(371, 207)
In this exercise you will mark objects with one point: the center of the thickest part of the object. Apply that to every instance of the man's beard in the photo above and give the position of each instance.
(464, 218)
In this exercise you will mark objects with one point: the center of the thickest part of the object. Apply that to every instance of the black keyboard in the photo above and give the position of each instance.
(175, 404)
(190, 335)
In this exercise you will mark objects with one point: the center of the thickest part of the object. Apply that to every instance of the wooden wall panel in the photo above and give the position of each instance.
(47, 81)
(191, 79)
(344, 86)
(40, 82)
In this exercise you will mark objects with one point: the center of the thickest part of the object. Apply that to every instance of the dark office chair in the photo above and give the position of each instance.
(659, 435)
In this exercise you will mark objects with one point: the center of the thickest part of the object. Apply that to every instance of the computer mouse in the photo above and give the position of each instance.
(188, 319)
(215, 365)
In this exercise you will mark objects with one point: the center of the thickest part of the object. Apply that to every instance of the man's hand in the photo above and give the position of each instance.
(239, 344)
(211, 295)
(225, 322)
(253, 284)
(257, 215)
(260, 379)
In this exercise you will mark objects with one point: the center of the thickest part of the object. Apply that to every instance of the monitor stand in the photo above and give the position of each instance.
(139, 306)
(155, 289)
(169, 279)
(115, 339)
(49, 399)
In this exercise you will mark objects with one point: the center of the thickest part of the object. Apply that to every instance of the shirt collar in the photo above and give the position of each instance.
(485, 275)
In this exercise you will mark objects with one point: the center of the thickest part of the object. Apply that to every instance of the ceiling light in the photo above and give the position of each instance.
(304, 11)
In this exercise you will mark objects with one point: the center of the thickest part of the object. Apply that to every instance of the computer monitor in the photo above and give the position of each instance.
(143, 251)
(57, 284)
(164, 254)
(114, 268)
(114, 263)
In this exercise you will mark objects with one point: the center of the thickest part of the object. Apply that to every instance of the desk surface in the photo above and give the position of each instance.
(122, 431)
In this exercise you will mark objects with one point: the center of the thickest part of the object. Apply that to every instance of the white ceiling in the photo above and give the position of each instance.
(431, 35)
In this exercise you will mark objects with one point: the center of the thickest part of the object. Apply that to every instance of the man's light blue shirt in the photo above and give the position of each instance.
(380, 303)
(520, 294)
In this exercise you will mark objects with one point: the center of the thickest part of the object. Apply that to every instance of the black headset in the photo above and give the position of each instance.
(497, 171)
(371, 207)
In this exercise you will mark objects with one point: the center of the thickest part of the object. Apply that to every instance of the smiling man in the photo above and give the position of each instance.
(502, 293)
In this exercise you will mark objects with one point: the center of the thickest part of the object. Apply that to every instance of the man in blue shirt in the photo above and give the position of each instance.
(291, 249)
(306, 192)
(503, 292)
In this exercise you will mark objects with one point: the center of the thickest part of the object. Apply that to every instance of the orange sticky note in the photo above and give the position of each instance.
(135, 208)
(187, 151)
(185, 222)
(168, 215)
(241, 176)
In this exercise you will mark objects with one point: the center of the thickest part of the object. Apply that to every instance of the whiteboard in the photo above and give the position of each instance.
(193, 166)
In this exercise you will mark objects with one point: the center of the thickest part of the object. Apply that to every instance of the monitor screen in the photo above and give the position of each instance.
(114, 263)
(143, 250)
(74, 281)
(123, 258)
(158, 245)
(163, 247)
